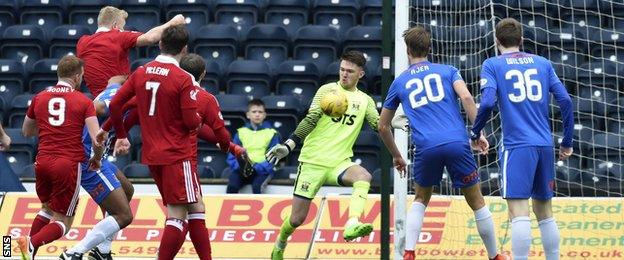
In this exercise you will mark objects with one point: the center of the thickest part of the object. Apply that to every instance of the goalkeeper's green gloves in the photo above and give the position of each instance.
(279, 151)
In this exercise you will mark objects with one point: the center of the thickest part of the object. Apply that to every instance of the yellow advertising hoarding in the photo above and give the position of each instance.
(246, 226)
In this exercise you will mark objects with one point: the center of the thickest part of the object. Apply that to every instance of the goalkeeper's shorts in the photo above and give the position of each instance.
(310, 177)
(528, 172)
(456, 157)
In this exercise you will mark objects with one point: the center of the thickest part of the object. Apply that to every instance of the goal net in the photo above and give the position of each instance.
(584, 39)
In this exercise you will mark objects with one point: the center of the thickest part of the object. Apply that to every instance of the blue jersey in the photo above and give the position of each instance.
(429, 100)
(105, 96)
(523, 83)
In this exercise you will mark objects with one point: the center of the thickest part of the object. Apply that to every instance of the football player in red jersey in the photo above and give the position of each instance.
(167, 111)
(58, 116)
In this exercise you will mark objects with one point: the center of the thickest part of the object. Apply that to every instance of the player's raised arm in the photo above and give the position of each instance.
(565, 104)
(153, 35)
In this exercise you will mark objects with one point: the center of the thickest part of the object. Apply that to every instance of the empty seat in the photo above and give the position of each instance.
(205, 172)
(369, 161)
(608, 144)
(366, 39)
(85, 12)
(64, 38)
(216, 159)
(299, 79)
(317, 44)
(20, 142)
(233, 108)
(583, 20)
(18, 160)
(367, 142)
(120, 160)
(242, 14)
(340, 15)
(139, 62)
(611, 42)
(47, 14)
(24, 43)
(196, 12)
(283, 112)
(210, 82)
(11, 81)
(218, 43)
(248, 77)
(43, 75)
(284, 173)
(268, 43)
(19, 105)
(371, 12)
(292, 14)
(142, 14)
(7, 14)
(136, 170)
(27, 172)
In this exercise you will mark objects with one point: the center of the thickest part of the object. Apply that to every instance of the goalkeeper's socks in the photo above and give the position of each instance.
(414, 219)
(286, 230)
(170, 241)
(199, 235)
(358, 198)
(550, 238)
(485, 226)
(520, 237)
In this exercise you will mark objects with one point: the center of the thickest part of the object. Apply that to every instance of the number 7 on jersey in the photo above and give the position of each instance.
(153, 86)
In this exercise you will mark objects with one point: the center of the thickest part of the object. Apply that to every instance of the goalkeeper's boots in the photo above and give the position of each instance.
(67, 256)
(501, 257)
(408, 255)
(357, 230)
(25, 247)
(96, 254)
(278, 251)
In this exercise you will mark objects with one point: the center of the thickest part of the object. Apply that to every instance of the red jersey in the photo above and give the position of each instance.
(105, 54)
(163, 90)
(210, 113)
(60, 113)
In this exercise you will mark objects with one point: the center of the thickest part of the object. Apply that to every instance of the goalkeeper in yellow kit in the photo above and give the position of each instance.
(327, 151)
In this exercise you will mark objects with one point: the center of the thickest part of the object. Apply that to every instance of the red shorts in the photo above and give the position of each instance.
(58, 183)
(177, 183)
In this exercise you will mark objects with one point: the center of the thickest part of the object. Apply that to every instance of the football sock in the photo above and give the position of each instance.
(413, 225)
(358, 198)
(170, 241)
(550, 238)
(47, 234)
(520, 237)
(39, 222)
(485, 226)
(286, 230)
(199, 235)
(103, 229)
(105, 246)
(185, 233)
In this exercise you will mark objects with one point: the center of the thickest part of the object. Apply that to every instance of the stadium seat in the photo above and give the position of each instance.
(616, 127)
(196, 12)
(298, 78)
(19, 105)
(568, 37)
(20, 142)
(85, 12)
(233, 108)
(215, 159)
(7, 14)
(611, 42)
(248, 77)
(366, 39)
(283, 112)
(19, 159)
(291, 14)
(218, 43)
(597, 73)
(64, 38)
(268, 43)
(367, 142)
(332, 75)
(46, 14)
(608, 144)
(120, 160)
(371, 12)
(205, 172)
(139, 62)
(284, 173)
(568, 170)
(11, 81)
(369, 161)
(318, 44)
(565, 57)
(242, 14)
(340, 15)
(27, 172)
(136, 170)
(143, 15)
(24, 43)
(43, 75)
(582, 20)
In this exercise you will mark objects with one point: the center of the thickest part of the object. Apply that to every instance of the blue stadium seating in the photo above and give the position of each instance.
(242, 14)
(568, 170)
(298, 78)
(582, 20)
(317, 44)
(19, 105)
(43, 75)
(24, 43)
(284, 172)
(609, 144)
(217, 42)
(371, 12)
(139, 62)
(205, 172)
(120, 160)
(367, 142)
(233, 108)
(27, 172)
(366, 39)
(283, 112)
(248, 77)
(340, 15)
(64, 38)
(142, 14)
(85, 12)
(369, 161)
(268, 43)
(18, 160)
(292, 14)
(45, 14)
(612, 42)
(11, 81)
(196, 12)
(565, 57)
(20, 142)
(136, 170)
(213, 158)
(7, 14)
(210, 82)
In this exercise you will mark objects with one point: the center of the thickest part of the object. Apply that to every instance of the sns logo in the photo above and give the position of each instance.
(194, 94)
(346, 119)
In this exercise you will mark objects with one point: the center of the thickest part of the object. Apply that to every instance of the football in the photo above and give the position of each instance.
(334, 103)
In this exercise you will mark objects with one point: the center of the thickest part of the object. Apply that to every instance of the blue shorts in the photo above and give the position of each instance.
(99, 183)
(456, 157)
(528, 172)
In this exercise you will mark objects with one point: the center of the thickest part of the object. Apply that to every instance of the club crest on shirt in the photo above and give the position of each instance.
(355, 105)
(194, 94)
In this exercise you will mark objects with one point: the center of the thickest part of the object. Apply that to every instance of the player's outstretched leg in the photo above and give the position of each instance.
(298, 214)
(360, 179)
(548, 228)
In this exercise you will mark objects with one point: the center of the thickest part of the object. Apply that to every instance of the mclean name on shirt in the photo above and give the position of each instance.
(522, 60)
(157, 71)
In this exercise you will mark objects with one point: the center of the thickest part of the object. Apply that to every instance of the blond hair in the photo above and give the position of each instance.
(110, 14)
